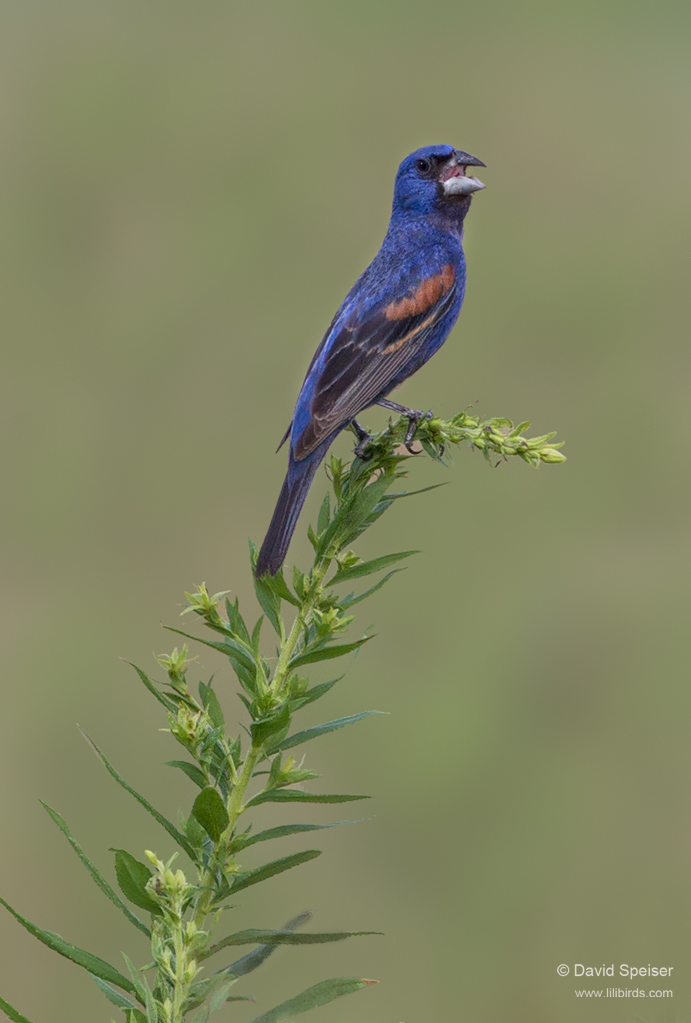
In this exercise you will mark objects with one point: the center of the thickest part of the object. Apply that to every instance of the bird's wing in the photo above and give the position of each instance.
(366, 353)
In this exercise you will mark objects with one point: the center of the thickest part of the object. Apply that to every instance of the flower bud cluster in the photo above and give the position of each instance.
(204, 604)
(176, 664)
(175, 942)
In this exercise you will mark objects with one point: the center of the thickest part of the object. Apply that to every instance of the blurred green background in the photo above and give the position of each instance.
(189, 191)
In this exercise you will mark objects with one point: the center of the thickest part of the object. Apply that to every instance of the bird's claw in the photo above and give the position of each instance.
(413, 422)
(364, 438)
(360, 450)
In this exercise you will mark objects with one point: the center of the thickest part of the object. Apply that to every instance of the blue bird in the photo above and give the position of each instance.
(396, 316)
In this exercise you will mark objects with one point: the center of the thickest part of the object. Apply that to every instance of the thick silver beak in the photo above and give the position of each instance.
(454, 179)
(462, 185)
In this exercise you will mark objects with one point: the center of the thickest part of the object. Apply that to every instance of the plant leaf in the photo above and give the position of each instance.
(266, 595)
(368, 567)
(100, 881)
(11, 1013)
(351, 599)
(243, 842)
(257, 956)
(255, 936)
(330, 726)
(230, 647)
(276, 724)
(140, 988)
(324, 514)
(326, 653)
(170, 828)
(213, 708)
(296, 796)
(280, 588)
(191, 770)
(134, 1016)
(256, 635)
(114, 996)
(161, 697)
(132, 877)
(312, 998)
(315, 693)
(270, 603)
(236, 621)
(143, 992)
(269, 869)
(209, 809)
(411, 493)
(90, 962)
(219, 997)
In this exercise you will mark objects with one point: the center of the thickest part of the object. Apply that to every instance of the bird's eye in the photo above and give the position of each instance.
(424, 166)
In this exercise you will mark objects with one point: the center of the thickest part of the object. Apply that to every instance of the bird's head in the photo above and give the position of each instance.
(433, 179)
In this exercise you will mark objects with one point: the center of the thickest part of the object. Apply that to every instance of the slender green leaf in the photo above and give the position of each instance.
(315, 693)
(132, 877)
(244, 841)
(230, 647)
(89, 961)
(368, 567)
(191, 770)
(257, 956)
(270, 603)
(114, 997)
(330, 726)
(269, 869)
(170, 828)
(351, 599)
(255, 936)
(100, 881)
(236, 621)
(276, 725)
(357, 515)
(143, 992)
(296, 796)
(312, 998)
(326, 653)
(151, 1010)
(213, 708)
(412, 493)
(280, 588)
(221, 995)
(194, 831)
(161, 697)
(140, 988)
(266, 595)
(256, 635)
(324, 514)
(11, 1013)
(353, 512)
(209, 809)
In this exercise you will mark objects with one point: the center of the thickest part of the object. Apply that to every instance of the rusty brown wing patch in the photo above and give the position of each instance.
(424, 296)
(365, 356)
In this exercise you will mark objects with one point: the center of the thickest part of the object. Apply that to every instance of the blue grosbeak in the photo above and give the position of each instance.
(397, 315)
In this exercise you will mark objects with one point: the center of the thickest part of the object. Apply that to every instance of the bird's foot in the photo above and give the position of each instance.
(413, 421)
(413, 416)
(364, 437)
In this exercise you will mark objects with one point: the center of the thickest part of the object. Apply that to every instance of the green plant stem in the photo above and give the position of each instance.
(235, 808)
(182, 985)
(301, 620)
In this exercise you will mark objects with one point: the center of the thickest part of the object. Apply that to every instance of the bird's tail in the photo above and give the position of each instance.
(290, 501)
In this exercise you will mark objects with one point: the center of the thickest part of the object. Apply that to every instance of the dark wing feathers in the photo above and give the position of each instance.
(366, 356)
